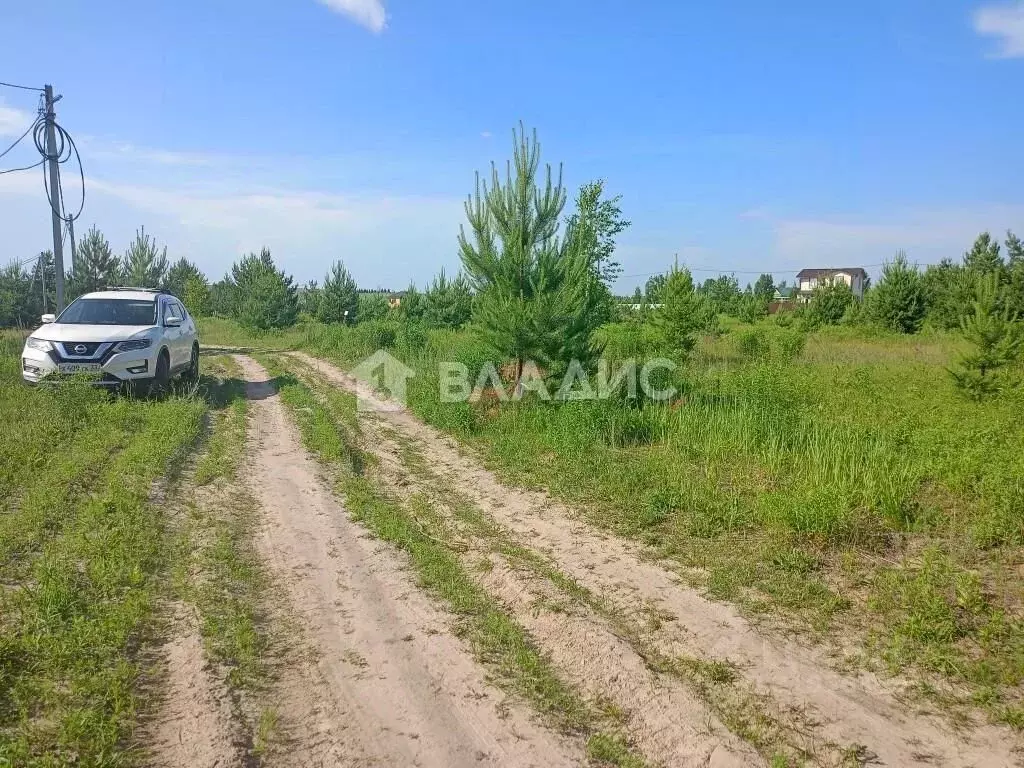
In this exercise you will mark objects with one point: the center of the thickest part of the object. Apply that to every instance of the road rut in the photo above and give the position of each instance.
(385, 682)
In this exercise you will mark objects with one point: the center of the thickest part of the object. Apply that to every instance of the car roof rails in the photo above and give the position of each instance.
(131, 288)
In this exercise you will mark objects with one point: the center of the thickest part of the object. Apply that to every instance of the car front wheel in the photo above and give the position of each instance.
(161, 376)
(192, 372)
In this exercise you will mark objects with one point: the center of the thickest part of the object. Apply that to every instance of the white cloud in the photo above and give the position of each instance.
(13, 122)
(485, 134)
(926, 235)
(131, 152)
(385, 239)
(1004, 22)
(369, 13)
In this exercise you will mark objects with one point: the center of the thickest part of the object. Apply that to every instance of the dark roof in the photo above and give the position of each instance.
(785, 292)
(831, 271)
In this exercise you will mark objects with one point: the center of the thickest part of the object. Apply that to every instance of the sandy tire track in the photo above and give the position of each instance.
(852, 710)
(388, 684)
(193, 724)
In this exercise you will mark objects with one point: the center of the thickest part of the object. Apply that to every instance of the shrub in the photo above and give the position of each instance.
(753, 344)
(791, 344)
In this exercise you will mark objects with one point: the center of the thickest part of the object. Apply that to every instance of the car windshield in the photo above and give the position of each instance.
(110, 312)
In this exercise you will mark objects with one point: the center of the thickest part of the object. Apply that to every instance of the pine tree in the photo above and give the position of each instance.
(43, 273)
(372, 306)
(996, 336)
(948, 288)
(1015, 274)
(263, 296)
(180, 274)
(448, 303)
(984, 258)
(96, 267)
(536, 292)
(898, 301)
(16, 306)
(412, 306)
(764, 288)
(684, 312)
(829, 303)
(309, 298)
(339, 297)
(145, 265)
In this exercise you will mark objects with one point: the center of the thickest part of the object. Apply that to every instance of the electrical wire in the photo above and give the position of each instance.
(23, 87)
(19, 139)
(23, 168)
(64, 146)
(727, 271)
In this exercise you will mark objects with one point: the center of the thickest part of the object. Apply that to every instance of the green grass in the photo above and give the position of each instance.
(218, 569)
(84, 553)
(803, 482)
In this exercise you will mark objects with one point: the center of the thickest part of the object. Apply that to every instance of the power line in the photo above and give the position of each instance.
(23, 168)
(23, 87)
(727, 271)
(19, 139)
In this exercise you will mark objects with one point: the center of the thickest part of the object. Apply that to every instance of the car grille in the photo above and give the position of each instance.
(80, 348)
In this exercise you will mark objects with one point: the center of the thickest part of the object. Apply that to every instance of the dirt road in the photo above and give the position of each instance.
(831, 717)
(385, 682)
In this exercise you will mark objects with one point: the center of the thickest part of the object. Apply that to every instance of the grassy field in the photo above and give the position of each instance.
(838, 482)
(94, 539)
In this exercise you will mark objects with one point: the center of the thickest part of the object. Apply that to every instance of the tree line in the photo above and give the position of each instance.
(255, 292)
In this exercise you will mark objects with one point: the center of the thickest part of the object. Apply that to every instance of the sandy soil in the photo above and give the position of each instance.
(385, 682)
(193, 724)
(862, 711)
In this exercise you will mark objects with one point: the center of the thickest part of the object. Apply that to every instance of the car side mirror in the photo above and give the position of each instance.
(48, 318)
(173, 321)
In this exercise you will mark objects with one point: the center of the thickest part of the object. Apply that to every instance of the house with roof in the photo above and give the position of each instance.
(809, 279)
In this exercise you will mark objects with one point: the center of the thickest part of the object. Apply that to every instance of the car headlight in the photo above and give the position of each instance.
(42, 345)
(129, 346)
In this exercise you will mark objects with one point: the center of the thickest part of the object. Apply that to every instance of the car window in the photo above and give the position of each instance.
(85, 311)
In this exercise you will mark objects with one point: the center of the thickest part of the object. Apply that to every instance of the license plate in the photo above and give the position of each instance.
(78, 367)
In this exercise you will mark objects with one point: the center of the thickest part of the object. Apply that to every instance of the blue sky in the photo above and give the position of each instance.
(742, 136)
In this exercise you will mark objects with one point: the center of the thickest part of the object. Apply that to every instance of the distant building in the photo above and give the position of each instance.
(783, 294)
(809, 279)
(395, 299)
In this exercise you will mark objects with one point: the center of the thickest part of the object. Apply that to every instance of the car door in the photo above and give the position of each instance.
(172, 335)
(187, 332)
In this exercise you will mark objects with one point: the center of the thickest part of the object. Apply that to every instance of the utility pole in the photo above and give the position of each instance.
(56, 215)
(74, 252)
(42, 278)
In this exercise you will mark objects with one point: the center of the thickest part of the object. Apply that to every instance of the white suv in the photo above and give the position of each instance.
(122, 335)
